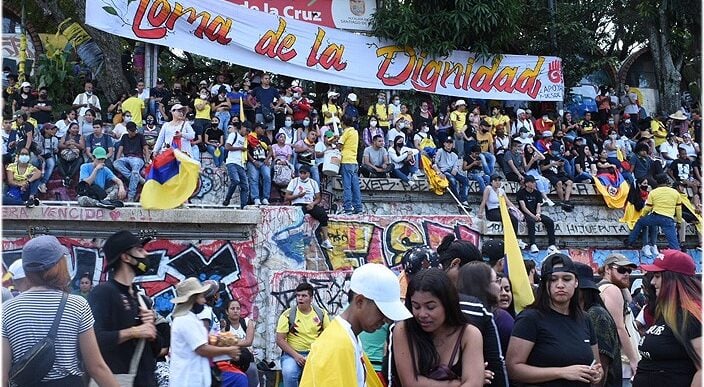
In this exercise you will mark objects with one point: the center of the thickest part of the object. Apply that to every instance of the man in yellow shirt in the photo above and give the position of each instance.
(380, 111)
(330, 109)
(662, 208)
(134, 105)
(349, 168)
(497, 118)
(458, 119)
(337, 358)
(296, 331)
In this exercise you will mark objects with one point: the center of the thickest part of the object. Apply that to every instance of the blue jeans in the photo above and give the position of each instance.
(224, 120)
(238, 176)
(217, 160)
(49, 165)
(351, 192)
(488, 163)
(654, 221)
(569, 167)
(582, 177)
(32, 190)
(481, 178)
(405, 171)
(255, 174)
(458, 184)
(129, 167)
(290, 370)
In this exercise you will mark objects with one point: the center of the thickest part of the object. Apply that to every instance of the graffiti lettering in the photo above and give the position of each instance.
(161, 19)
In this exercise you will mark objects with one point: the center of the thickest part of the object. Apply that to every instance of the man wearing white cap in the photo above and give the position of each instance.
(522, 121)
(458, 118)
(337, 357)
(19, 280)
(350, 109)
(330, 109)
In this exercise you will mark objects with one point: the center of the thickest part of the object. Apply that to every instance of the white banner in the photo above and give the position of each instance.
(232, 33)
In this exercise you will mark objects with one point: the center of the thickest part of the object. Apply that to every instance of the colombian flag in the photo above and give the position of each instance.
(520, 284)
(613, 187)
(171, 180)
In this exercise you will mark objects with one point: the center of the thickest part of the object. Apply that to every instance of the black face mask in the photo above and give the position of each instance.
(197, 308)
(141, 267)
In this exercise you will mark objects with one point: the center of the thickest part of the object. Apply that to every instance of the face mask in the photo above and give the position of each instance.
(150, 121)
(89, 93)
(306, 122)
(288, 123)
(197, 308)
(611, 122)
(177, 91)
(397, 102)
(42, 95)
(24, 159)
(128, 119)
(424, 129)
(381, 101)
(402, 125)
(141, 267)
(628, 121)
(214, 124)
(296, 95)
(424, 108)
(372, 123)
(524, 135)
(204, 96)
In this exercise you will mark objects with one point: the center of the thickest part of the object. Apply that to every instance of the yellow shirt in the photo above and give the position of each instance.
(665, 201)
(380, 111)
(406, 117)
(349, 140)
(484, 139)
(330, 108)
(134, 105)
(494, 121)
(21, 178)
(458, 119)
(659, 132)
(205, 113)
(305, 330)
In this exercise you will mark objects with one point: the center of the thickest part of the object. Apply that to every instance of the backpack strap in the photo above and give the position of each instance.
(292, 318)
(57, 318)
(243, 325)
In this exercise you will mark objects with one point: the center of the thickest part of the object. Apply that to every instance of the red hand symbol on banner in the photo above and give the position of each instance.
(555, 71)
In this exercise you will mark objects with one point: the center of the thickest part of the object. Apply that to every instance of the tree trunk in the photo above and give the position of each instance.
(667, 73)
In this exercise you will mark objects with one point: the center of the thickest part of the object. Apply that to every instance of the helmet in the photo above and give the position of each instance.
(418, 258)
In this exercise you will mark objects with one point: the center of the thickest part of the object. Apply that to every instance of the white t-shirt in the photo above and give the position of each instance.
(187, 367)
(236, 156)
(62, 128)
(358, 350)
(320, 147)
(83, 99)
(297, 186)
(392, 134)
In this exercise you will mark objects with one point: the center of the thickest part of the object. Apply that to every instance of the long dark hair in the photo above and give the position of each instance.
(435, 281)
(543, 302)
(228, 324)
(475, 280)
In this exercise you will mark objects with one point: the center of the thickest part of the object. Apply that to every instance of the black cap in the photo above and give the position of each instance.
(495, 177)
(528, 178)
(447, 139)
(552, 260)
(120, 242)
(304, 168)
(585, 276)
(493, 249)
(259, 125)
(451, 248)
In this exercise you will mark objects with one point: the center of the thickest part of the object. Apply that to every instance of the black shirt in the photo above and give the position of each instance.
(214, 134)
(42, 116)
(25, 131)
(663, 353)
(476, 314)
(103, 141)
(681, 169)
(115, 309)
(469, 160)
(558, 341)
(133, 146)
(531, 199)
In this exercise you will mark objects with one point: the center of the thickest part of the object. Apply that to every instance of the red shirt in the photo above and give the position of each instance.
(301, 109)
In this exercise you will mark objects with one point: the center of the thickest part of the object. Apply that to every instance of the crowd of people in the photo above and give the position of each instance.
(449, 319)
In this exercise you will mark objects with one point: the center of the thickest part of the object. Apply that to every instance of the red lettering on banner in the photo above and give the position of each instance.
(389, 53)
(162, 19)
(331, 56)
(269, 43)
(528, 81)
(504, 81)
(481, 81)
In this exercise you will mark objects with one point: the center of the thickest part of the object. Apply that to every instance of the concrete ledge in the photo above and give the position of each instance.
(72, 212)
(582, 229)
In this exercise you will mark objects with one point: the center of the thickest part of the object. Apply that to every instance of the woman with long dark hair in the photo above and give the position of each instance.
(553, 342)
(672, 346)
(243, 329)
(443, 349)
(29, 317)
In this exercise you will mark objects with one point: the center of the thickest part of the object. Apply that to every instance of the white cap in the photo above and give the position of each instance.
(460, 102)
(332, 94)
(16, 270)
(379, 284)
(178, 106)
(352, 97)
(520, 111)
(25, 84)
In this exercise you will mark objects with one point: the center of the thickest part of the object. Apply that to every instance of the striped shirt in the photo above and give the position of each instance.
(27, 318)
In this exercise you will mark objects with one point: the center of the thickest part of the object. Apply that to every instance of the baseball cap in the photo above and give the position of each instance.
(674, 261)
(42, 253)
(25, 84)
(120, 242)
(100, 153)
(332, 94)
(618, 260)
(447, 139)
(547, 133)
(329, 134)
(529, 178)
(352, 97)
(552, 260)
(48, 126)
(585, 276)
(178, 106)
(460, 102)
(493, 249)
(16, 270)
(520, 111)
(379, 284)
(304, 168)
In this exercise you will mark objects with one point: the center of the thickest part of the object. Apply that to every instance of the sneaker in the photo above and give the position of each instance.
(553, 249)
(257, 202)
(549, 202)
(42, 188)
(265, 202)
(348, 212)
(534, 248)
(464, 204)
(654, 250)
(105, 204)
(66, 182)
(29, 203)
(359, 211)
(327, 245)
(522, 245)
(646, 251)
(226, 203)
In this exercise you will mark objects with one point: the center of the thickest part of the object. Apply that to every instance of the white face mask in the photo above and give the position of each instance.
(288, 123)
(628, 120)
(89, 93)
(296, 95)
(424, 108)
(397, 102)
(381, 100)
(127, 119)
(372, 123)
(401, 125)
(306, 122)
(613, 136)
(424, 129)
(24, 159)
(524, 135)
(204, 96)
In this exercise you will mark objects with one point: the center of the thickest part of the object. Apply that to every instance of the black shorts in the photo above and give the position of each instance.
(317, 213)
(556, 178)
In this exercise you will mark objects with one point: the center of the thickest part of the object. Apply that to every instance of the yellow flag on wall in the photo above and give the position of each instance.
(520, 285)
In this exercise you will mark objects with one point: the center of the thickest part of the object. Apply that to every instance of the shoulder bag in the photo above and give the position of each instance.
(33, 366)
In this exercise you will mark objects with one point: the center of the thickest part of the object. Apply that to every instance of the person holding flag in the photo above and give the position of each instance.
(177, 133)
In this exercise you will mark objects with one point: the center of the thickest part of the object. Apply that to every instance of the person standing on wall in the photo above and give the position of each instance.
(298, 327)
(120, 320)
(349, 168)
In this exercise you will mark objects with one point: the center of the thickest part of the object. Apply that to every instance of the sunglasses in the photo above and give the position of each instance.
(622, 270)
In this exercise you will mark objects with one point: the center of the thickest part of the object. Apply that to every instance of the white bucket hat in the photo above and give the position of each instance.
(184, 290)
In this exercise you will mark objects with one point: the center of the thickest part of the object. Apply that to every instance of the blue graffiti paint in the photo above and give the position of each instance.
(635, 256)
(293, 243)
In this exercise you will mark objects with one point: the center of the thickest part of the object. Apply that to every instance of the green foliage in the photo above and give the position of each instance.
(56, 73)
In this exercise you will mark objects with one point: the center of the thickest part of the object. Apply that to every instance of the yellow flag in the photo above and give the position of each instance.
(520, 285)
(242, 118)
